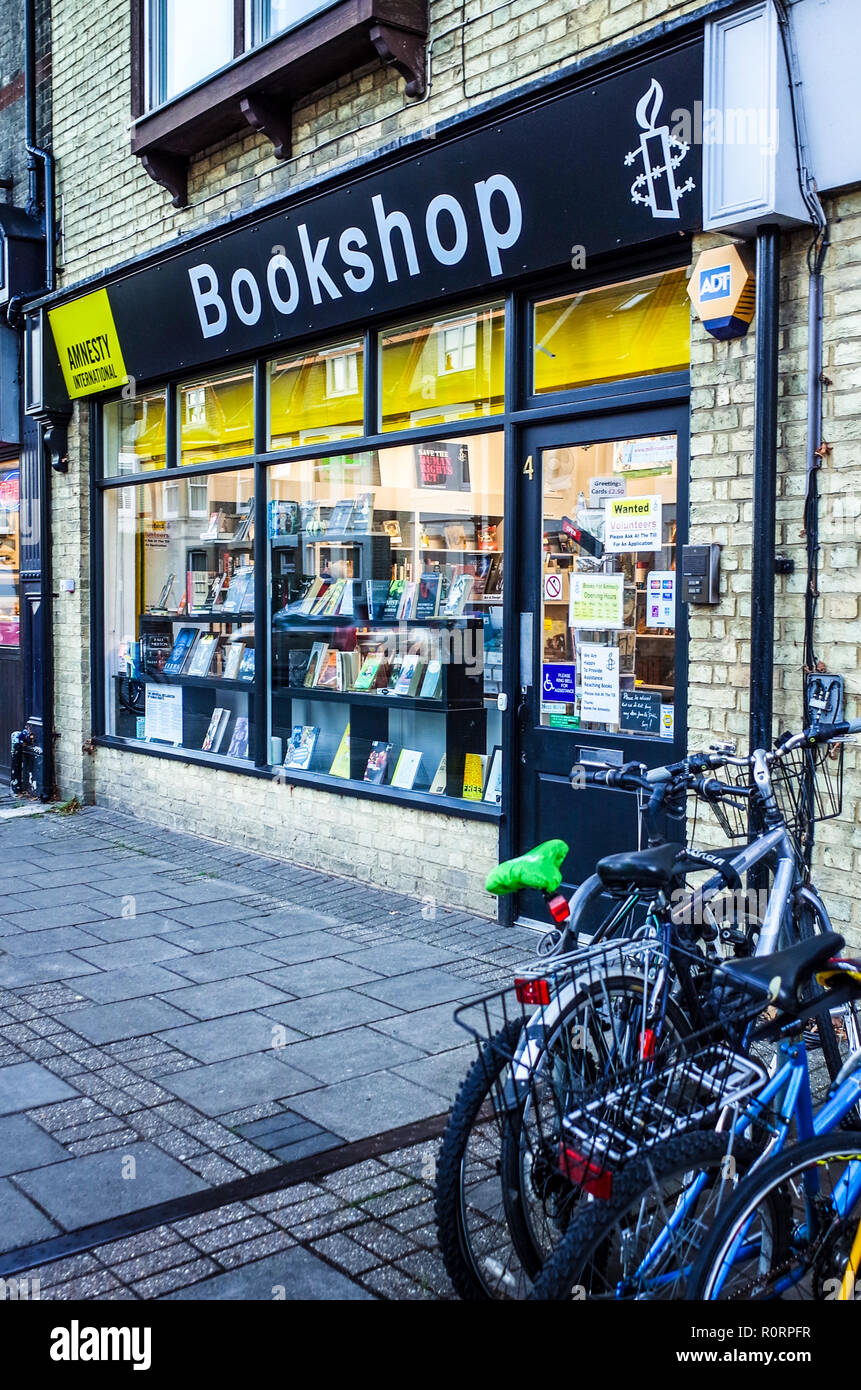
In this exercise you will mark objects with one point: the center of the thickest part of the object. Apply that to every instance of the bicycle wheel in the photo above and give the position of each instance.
(608, 1017)
(640, 1244)
(470, 1217)
(819, 1182)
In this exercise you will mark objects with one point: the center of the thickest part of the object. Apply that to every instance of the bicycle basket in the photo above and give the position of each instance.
(808, 785)
(728, 806)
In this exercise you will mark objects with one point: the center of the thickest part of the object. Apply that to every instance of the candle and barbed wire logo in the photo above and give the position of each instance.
(662, 154)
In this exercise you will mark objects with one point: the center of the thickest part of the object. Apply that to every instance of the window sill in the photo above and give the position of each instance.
(318, 781)
(258, 89)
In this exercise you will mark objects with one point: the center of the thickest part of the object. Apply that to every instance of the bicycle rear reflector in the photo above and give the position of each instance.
(558, 907)
(580, 1171)
(532, 991)
(647, 1044)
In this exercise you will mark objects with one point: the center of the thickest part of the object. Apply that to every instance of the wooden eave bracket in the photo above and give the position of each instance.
(405, 50)
(171, 171)
(263, 115)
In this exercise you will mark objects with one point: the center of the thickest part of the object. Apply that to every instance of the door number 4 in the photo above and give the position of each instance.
(529, 468)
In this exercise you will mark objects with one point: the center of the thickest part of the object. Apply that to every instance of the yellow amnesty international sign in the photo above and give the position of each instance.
(87, 345)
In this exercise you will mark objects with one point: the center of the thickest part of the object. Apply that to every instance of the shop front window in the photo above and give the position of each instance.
(216, 417)
(317, 396)
(135, 435)
(386, 573)
(443, 369)
(179, 613)
(609, 587)
(632, 329)
(10, 607)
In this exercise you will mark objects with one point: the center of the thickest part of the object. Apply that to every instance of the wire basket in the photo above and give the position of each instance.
(730, 807)
(808, 785)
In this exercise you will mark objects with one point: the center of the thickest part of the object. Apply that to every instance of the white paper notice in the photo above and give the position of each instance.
(599, 683)
(661, 598)
(164, 713)
(632, 523)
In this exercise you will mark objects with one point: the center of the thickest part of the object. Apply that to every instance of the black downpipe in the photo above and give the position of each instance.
(35, 155)
(764, 488)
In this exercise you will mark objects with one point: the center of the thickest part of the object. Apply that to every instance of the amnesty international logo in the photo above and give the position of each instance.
(661, 153)
(87, 345)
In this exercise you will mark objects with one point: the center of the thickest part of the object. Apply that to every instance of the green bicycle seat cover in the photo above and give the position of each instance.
(541, 868)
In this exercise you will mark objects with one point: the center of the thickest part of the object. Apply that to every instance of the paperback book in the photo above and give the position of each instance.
(201, 657)
(341, 761)
(457, 596)
(239, 742)
(410, 676)
(215, 733)
(407, 769)
(246, 665)
(301, 746)
(341, 518)
(377, 765)
(233, 660)
(180, 650)
(427, 596)
(318, 653)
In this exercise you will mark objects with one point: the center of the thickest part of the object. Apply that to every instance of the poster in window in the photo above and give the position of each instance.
(443, 466)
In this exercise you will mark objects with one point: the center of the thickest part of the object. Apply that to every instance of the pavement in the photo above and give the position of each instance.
(176, 1015)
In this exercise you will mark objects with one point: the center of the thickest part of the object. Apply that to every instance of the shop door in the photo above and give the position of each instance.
(603, 641)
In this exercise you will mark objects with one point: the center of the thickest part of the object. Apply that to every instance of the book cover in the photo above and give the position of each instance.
(427, 596)
(180, 650)
(391, 608)
(376, 596)
(482, 574)
(395, 671)
(215, 733)
(239, 743)
(378, 762)
(405, 608)
(407, 769)
(431, 687)
(393, 530)
(410, 676)
(318, 652)
(310, 596)
(201, 658)
(369, 676)
(297, 666)
(246, 665)
(318, 607)
(310, 518)
(363, 513)
(233, 660)
(156, 648)
(437, 786)
(197, 589)
(245, 527)
(327, 675)
(341, 517)
(333, 598)
(300, 748)
(458, 594)
(167, 590)
(242, 580)
(473, 776)
(341, 761)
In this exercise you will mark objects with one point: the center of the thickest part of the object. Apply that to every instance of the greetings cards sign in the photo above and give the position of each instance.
(632, 523)
(596, 601)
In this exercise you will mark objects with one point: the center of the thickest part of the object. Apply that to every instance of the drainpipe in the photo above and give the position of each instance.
(35, 155)
(764, 488)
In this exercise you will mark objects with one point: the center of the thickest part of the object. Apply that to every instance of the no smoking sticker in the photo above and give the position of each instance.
(552, 588)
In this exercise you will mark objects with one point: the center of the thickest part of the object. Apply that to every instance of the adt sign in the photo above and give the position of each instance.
(715, 284)
(721, 290)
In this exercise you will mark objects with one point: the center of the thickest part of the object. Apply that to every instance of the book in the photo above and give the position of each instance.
(215, 733)
(391, 608)
(393, 530)
(167, 590)
(246, 665)
(395, 671)
(349, 664)
(156, 648)
(310, 518)
(372, 674)
(407, 769)
(473, 776)
(341, 761)
(493, 789)
(427, 596)
(327, 675)
(456, 598)
(297, 666)
(310, 596)
(431, 687)
(318, 607)
(377, 765)
(341, 517)
(233, 660)
(405, 608)
(215, 588)
(334, 595)
(283, 519)
(410, 676)
(482, 574)
(201, 658)
(239, 742)
(437, 786)
(197, 589)
(493, 581)
(376, 596)
(180, 650)
(363, 513)
(215, 527)
(244, 530)
(301, 745)
(241, 582)
(318, 652)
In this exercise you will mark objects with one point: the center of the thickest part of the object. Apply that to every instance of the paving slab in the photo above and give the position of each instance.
(138, 951)
(101, 1186)
(432, 1030)
(109, 986)
(418, 990)
(354, 1052)
(207, 966)
(22, 1223)
(295, 950)
(368, 1105)
(235, 1035)
(293, 1274)
(116, 929)
(128, 1018)
(235, 1084)
(67, 915)
(23, 1145)
(318, 977)
(40, 943)
(26, 1085)
(326, 1013)
(215, 938)
(398, 957)
(441, 1074)
(225, 997)
(20, 971)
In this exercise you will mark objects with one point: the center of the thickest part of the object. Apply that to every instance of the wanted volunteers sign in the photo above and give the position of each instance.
(632, 523)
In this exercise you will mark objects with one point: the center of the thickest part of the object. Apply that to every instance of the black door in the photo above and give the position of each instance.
(603, 641)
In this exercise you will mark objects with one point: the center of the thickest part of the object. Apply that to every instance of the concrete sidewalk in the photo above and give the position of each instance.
(175, 1014)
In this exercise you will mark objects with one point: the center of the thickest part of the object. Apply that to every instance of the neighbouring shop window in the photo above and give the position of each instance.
(634, 329)
(216, 417)
(609, 587)
(186, 41)
(317, 396)
(440, 370)
(10, 564)
(386, 573)
(179, 613)
(135, 435)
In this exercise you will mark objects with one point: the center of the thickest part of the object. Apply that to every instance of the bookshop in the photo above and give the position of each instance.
(390, 503)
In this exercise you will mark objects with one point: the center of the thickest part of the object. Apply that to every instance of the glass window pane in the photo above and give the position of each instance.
(10, 563)
(190, 39)
(270, 17)
(443, 369)
(317, 396)
(216, 418)
(135, 435)
(179, 613)
(609, 599)
(633, 329)
(386, 573)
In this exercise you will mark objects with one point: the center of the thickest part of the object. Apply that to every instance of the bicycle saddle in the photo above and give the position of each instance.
(784, 973)
(644, 868)
(541, 868)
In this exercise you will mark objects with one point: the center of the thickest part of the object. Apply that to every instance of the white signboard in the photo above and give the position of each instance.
(632, 523)
(654, 454)
(661, 598)
(164, 713)
(602, 488)
(596, 601)
(599, 683)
